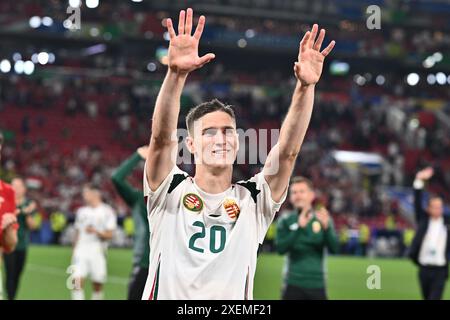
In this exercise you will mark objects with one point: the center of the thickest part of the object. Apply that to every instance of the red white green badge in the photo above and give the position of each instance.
(231, 208)
(193, 202)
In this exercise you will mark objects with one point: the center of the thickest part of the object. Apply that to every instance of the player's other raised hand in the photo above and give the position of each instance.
(425, 174)
(309, 66)
(183, 48)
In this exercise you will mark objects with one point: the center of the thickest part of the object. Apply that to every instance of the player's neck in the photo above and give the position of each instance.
(95, 204)
(213, 180)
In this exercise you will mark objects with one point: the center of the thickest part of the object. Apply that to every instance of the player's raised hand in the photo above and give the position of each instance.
(309, 66)
(183, 48)
(425, 174)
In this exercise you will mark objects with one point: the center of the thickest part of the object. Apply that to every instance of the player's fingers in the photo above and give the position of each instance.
(205, 59)
(181, 22)
(296, 68)
(304, 41)
(328, 49)
(188, 28)
(170, 29)
(319, 40)
(313, 35)
(200, 25)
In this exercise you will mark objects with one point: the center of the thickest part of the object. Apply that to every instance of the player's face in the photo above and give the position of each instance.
(215, 141)
(300, 195)
(19, 187)
(436, 208)
(88, 195)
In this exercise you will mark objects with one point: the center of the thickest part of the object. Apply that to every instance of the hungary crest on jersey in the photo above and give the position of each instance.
(231, 208)
(193, 202)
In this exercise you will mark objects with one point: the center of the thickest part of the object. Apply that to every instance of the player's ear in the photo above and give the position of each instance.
(190, 144)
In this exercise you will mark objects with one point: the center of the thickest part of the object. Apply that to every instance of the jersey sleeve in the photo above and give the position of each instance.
(111, 220)
(266, 207)
(78, 218)
(157, 199)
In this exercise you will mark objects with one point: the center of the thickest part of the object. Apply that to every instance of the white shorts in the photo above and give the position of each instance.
(90, 262)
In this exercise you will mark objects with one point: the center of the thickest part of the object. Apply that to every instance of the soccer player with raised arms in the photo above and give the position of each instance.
(205, 230)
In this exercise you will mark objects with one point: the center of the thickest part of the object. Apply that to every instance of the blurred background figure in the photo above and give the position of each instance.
(430, 248)
(304, 235)
(95, 225)
(15, 261)
(134, 198)
(8, 225)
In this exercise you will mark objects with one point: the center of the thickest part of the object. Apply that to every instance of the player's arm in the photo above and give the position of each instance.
(419, 183)
(119, 177)
(110, 226)
(9, 232)
(182, 59)
(282, 157)
(29, 211)
(286, 236)
(105, 235)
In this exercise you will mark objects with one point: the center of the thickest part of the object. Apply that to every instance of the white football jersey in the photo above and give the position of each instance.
(204, 246)
(101, 218)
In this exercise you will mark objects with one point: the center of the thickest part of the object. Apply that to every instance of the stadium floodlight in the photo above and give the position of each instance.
(242, 43)
(360, 80)
(34, 58)
(151, 66)
(437, 56)
(339, 68)
(18, 67)
(250, 33)
(74, 3)
(35, 22)
(5, 66)
(94, 32)
(92, 4)
(28, 67)
(414, 123)
(380, 79)
(51, 57)
(43, 58)
(448, 79)
(47, 21)
(441, 78)
(429, 62)
(431, 79)
(412, 79)
(17, 56)
(357, 157)
(136, 0)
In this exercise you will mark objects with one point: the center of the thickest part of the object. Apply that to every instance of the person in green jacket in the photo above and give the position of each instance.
(303, 235)
(134, 198)
(15, 261)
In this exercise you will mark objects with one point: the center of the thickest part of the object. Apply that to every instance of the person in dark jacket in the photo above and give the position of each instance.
(303, 235)
(430, 247)
(135, 200)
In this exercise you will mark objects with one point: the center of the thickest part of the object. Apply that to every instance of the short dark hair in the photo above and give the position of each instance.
(433, 197)
(92, 186)
(300, 179)
(207, 107)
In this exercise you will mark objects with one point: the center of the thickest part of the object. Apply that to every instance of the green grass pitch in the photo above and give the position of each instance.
(45, 276)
